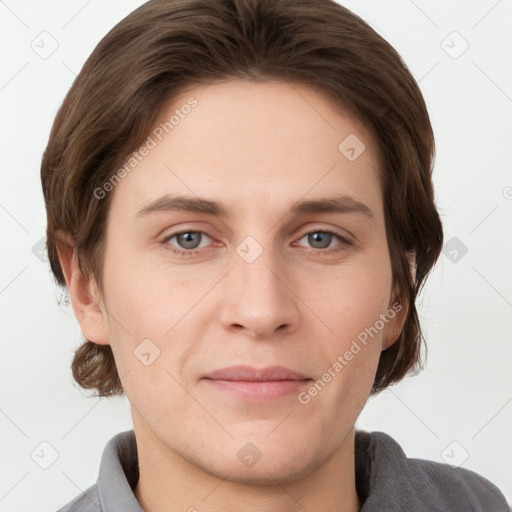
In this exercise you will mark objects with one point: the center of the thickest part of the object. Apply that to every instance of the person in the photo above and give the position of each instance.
(240, 204)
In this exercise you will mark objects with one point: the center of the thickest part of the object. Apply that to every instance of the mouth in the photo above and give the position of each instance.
(246, 382)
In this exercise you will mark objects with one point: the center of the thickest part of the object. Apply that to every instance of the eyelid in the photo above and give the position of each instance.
(343, 239)
(180, 251)
(346, 235)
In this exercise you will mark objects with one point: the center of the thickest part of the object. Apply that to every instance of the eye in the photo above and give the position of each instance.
(187, 240)
(320, 239)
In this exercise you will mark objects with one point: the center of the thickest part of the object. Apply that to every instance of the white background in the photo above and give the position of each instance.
(463, 395)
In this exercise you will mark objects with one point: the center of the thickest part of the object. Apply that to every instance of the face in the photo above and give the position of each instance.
(250, 235)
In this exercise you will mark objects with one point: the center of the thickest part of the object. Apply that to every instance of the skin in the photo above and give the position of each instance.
(258, 148)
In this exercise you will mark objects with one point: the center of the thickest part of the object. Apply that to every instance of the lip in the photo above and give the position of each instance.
(246, 382)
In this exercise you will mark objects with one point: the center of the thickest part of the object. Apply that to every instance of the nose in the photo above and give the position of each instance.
(260, 299)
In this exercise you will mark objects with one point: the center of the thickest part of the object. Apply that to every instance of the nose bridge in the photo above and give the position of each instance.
(259, 299)
(261, 276)
(258, 270)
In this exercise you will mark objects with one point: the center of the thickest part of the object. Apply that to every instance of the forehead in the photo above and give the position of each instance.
(246, 142)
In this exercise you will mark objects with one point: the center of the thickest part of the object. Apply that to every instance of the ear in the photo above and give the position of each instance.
(85, 297)
(400, 306)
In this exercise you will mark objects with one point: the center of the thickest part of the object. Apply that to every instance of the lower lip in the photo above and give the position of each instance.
(264, 390)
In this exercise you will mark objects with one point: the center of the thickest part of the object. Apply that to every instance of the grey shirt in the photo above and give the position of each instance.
(386, 481)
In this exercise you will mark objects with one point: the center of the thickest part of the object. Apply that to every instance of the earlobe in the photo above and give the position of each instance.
(411, 258)
(391, 339)
(400, 306)
(394, 330)
(85, 297)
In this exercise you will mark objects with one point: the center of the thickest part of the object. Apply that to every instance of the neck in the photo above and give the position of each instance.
(170, 482)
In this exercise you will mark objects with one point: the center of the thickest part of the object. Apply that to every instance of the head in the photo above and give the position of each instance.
(242, 104)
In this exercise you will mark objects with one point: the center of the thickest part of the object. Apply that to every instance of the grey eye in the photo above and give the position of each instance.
(189, 240)
(319, 239)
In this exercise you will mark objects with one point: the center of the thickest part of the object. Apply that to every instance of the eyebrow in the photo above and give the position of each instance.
(339, 204)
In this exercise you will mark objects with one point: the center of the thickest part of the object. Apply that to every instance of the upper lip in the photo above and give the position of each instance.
(248, 373)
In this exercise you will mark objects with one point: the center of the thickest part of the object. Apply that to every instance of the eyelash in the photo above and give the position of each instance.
(344, 242)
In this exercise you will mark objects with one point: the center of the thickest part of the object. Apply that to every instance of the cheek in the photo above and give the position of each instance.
(352, 305)
(153, 316)
(142, 295)
(348, 359)
(354, 297)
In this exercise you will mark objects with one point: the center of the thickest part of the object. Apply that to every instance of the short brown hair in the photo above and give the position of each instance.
(167, 45)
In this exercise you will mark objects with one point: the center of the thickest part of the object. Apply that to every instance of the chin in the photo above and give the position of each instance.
(266, 459)
(270, 470)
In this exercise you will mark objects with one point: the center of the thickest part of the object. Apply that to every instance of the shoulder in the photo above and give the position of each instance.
(88, 501)
(460, 488)
(117, 477)
(396, 482)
